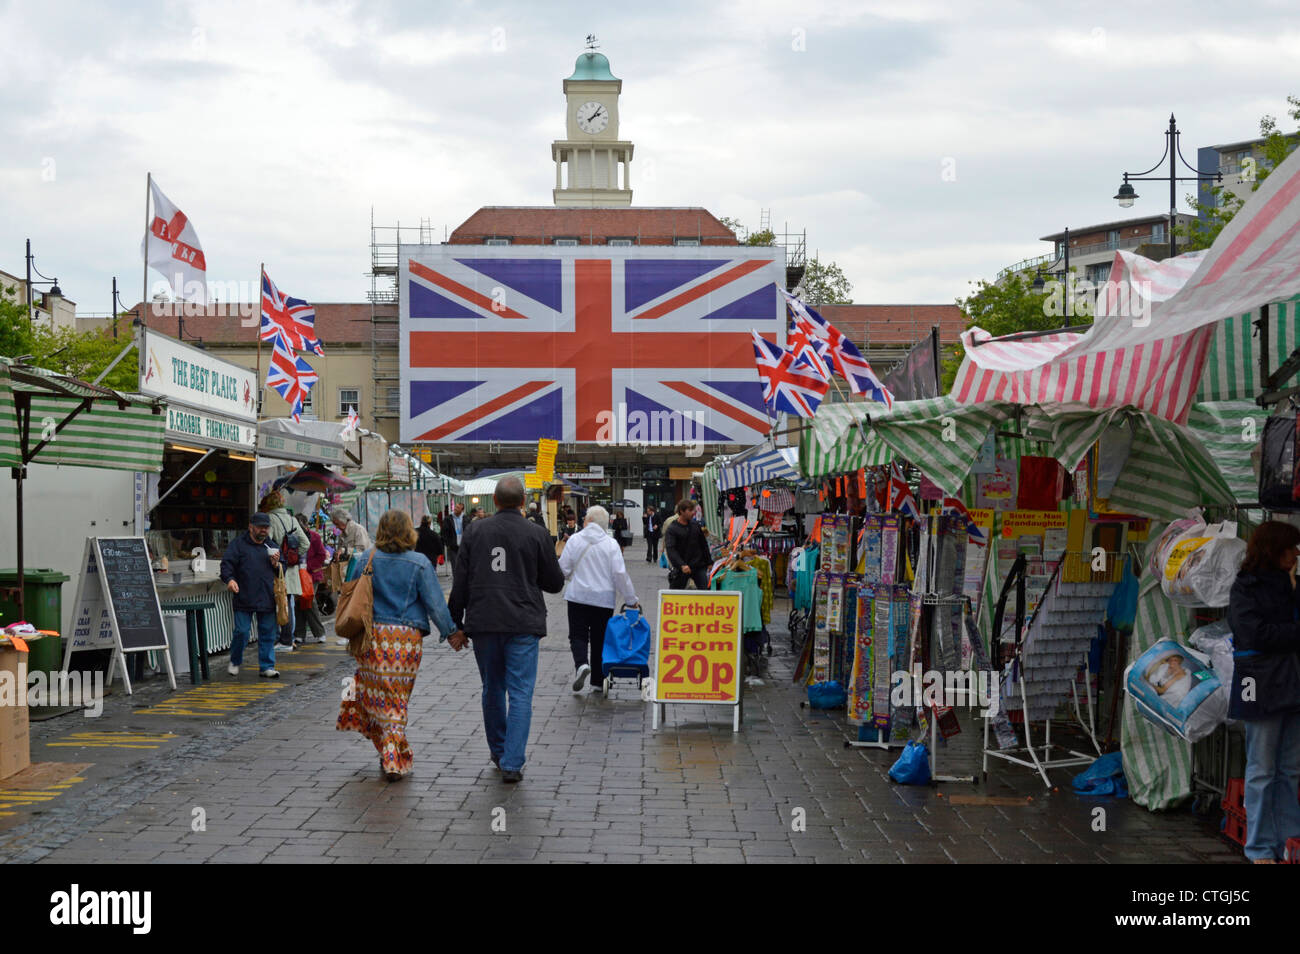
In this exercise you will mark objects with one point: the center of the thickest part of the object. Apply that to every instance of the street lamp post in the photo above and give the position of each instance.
(1126, 193)
(1064, 259)
(53, 282)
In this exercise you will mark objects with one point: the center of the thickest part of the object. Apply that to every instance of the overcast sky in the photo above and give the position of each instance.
(278, 126)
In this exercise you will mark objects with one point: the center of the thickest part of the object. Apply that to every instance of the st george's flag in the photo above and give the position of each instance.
(171, 248)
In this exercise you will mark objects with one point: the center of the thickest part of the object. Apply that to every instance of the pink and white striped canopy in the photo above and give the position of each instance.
(1154, 363)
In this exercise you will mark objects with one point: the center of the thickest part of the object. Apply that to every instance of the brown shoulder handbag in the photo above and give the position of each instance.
(354, 615)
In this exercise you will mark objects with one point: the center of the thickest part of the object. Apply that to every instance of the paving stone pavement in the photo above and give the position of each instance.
(274, 782)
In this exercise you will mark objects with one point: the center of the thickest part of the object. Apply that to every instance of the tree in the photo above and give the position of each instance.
(1005, 308)
(1214, 215)
(79, 354)
(824, 283)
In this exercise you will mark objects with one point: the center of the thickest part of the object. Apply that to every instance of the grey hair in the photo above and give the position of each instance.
(341, 513)
(599, 516)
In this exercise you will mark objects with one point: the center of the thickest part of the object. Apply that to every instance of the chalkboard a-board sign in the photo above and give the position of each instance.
(117, 604)
(128, 580)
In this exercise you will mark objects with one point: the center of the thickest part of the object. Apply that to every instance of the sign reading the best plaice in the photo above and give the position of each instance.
(698, 647)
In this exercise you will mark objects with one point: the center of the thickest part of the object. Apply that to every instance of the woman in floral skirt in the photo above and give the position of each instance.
(407, 597)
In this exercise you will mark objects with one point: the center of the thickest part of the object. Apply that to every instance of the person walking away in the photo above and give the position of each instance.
(453, 527)
(248, 570)
(407, 597)
(429, 543)
(353, 538)
(293, 544)
(1263, 609)
(504, 566)
(307, 614)
(652, 532)
(622, 532)
(536, 517)
(687, 549)
(597, 576)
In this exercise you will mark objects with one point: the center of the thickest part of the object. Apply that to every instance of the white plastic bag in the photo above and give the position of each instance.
(1197, 563)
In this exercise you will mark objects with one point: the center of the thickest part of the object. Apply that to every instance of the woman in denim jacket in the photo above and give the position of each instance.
(407, 597)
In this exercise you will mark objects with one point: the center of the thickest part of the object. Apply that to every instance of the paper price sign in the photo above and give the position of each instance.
(698, 647)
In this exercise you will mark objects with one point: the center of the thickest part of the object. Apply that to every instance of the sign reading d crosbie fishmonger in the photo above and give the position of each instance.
(697, 647)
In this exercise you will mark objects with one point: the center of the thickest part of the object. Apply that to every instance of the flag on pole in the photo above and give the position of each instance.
(291, 377)
(171, 247)
(350, 427)
(291, 318)
(837, 350)
(791, 382)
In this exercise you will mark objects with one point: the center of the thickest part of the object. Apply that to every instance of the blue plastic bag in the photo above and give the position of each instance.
(1122, 608)
(663, 561)
(827, 695)
(627, 643)
(1103, 777)
(913, 766)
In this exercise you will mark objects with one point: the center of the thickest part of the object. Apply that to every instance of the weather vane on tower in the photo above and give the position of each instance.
(591, 41)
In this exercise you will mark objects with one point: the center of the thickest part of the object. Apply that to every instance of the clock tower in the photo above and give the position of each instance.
(588, 160)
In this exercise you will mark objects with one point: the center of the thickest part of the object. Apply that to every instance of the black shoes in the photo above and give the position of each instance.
(510, 776)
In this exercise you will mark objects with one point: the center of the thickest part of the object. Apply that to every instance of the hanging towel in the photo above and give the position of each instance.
(1041, 484)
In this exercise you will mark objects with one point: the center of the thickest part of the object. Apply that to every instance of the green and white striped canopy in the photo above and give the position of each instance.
(10, 445)
(1169, 470)
(115, 432)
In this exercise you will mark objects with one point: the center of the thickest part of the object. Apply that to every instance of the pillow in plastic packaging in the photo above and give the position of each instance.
(1171, 687)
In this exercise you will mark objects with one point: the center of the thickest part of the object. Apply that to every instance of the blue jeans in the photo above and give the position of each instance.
(508, 667)
(1272, 779)
(266, 630)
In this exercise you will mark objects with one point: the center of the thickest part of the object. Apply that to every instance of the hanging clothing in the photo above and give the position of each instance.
(1041, 484)
(744, 582)
(764, 568)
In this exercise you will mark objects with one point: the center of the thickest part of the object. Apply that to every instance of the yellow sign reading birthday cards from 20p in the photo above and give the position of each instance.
(698, 647)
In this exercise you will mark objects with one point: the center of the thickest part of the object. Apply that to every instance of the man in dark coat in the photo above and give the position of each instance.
(505, 564)
(653, 530)
(687, 549)
(427, 540)
(248, 570)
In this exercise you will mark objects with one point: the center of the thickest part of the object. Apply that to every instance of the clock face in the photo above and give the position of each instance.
(592, 117)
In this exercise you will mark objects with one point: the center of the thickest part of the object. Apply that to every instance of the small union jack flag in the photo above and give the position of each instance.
(291, 318)
(900, 499)
(791, 382)
(836, 350)
(954, 506)
(290, 376)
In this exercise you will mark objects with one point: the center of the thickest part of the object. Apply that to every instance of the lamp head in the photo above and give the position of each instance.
(1125, 196)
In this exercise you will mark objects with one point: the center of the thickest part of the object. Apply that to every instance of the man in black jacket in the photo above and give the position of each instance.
(453, 527)
(652, 521)
(505, 563)
(248, 570)
(687, 549)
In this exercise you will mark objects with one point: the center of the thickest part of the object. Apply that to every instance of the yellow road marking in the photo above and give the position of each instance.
(115, 740)
(212, 700)
(21, 798)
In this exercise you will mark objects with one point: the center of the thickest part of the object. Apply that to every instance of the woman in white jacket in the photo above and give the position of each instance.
(593, 564)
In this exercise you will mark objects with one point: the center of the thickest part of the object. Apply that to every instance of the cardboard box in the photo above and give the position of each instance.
(15, 744)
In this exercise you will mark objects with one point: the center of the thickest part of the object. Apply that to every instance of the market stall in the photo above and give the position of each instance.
(201, 499)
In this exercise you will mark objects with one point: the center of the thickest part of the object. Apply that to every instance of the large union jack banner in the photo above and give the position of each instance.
(518, 343)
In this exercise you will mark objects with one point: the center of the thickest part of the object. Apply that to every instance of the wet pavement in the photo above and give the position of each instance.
(249, 771)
